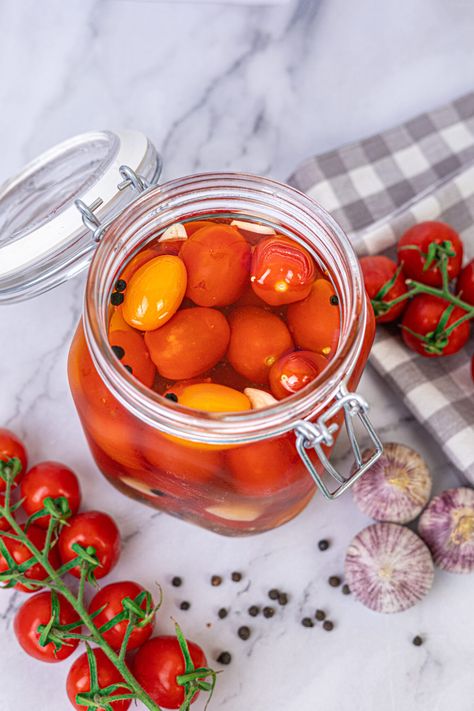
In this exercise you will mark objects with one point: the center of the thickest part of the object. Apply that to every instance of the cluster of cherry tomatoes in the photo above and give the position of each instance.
(211, 308)
(428, 290)
(158, 662)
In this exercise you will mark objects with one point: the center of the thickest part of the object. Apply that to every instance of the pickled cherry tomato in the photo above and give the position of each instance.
(117, 321)
(192, 227)
(155, 292)
(265, 468)
(294, 371)
(136, 262)
(172, 457)
(130, 349)
(212, 397)
(257, 339)
(282, 271)
(217, 260)
(193, 341)
(315, 321)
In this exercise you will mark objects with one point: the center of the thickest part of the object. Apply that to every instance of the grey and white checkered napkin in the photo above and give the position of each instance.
(376, 189)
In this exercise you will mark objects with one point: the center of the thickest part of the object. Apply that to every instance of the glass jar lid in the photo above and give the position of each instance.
(45, 235)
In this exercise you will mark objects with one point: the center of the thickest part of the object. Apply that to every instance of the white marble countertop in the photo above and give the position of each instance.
(257, 89)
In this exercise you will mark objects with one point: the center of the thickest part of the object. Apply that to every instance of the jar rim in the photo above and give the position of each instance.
(195, 193)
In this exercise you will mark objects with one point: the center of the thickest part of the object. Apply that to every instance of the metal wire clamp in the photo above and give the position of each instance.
(321, 433)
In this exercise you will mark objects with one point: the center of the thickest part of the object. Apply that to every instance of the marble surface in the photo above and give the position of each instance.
(254, 89)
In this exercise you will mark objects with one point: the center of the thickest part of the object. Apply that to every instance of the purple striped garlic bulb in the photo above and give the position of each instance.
(396, 488)
(388, 567)
(447, 526)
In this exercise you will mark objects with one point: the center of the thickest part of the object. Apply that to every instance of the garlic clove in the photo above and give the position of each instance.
(259, 398)
(447, 526)
(253, 227)
(235, 512)
(396, 488)
(176, 231)
(388, 567)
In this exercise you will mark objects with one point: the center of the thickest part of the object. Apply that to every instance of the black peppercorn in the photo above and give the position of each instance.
(268, 612)
(222, 613)
(283, 599)
(244, 632)
(120, 285)
(307, 622)
(417, 641)
(346, 589)
(129, 368)
(273, 594)
(334, 581)
(320, 615)
(117, 298)
(216, 580)
(224, 658)
(334, 300)
(328, 625)
(119, 351)
(185, 605)
(172, 397)
(323, 545)
(177, 581)
(236, 577)
(253, 610)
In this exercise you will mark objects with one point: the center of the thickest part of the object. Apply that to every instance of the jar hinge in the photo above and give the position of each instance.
(318, 434)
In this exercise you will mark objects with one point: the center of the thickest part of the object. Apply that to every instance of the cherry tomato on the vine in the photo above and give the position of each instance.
(193, 341)
(79, 679)
(20, 554)
(157, 665)
(384, 281)
(315, 321)
(293, 371)
(129, 347)
(217, 260)
(4, 525)
(422, 318)
(91, 528)
(257, 338)
(49, 479)
(465, 283)
(10, 447)
(110, 598)
(36, 611)
(282, 270)
(421, 250)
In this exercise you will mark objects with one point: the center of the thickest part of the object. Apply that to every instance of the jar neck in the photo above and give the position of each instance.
(247, 197)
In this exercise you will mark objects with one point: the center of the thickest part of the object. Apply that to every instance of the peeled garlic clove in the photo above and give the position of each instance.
(388, 567)
(235, 512)
(396, 488)
(259, 398)
(174, 232)
(447, 526)
(254, 227)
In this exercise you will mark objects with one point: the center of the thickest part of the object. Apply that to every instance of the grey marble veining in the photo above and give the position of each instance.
(255, 89)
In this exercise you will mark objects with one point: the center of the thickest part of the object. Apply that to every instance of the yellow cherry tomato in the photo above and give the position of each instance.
(155, 292)
(212, 397)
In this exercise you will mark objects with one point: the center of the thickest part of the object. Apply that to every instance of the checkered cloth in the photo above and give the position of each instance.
(376, 189)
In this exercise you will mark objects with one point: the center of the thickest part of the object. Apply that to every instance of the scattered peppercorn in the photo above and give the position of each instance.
(185, 605)
(283, 598)
(222, 613)
(236, 577)
(253, 610)
(177, 581)
(334, 300)
(224, 658)
(417, 641)
(346, 589)
(328, 625)
(320, 615)
(323, 545)
(307, 622)
(268, 611)
(119, 351)
(120, 285)
(129, 368)
(244, 632)
(334, 581)
(216, 580)
(172, 397)
(273, 594)
(117, 298)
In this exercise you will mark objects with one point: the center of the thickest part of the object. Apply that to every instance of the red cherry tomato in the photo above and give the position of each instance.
(315, 321)
(422, 317)
(180, 461)
(282, 270)
(36, 611)
(294, 371)
(193, 341)
(257, 339)
(157, 665)
(110, 598)
(91, 528)
(49, 479)
(129, 347)
(379, 272)
(265, 468)
(418, 251)
(20, 554)
(10, 447)
(217, 260)
(192, 227)
(79, 680)
(465, 285)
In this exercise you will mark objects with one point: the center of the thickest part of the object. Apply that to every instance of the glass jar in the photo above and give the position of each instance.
(238, 473)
